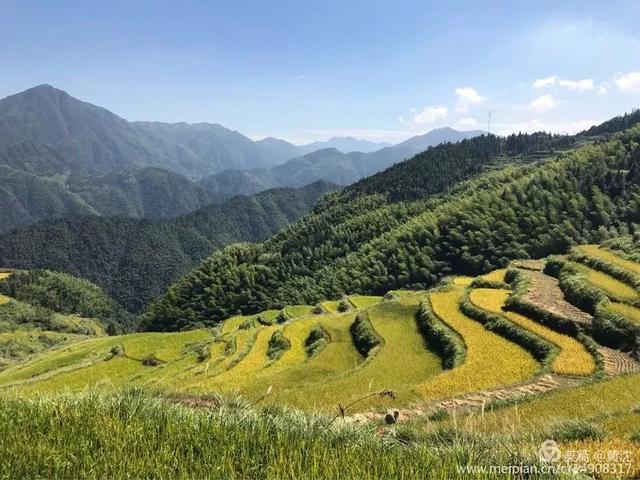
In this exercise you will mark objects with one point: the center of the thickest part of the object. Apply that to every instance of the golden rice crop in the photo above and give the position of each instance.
(4, 299)
(592, 401)
(4, 275)
(295, 379)
(573, 358)
(330, 306)
(612, 287)
(364, 301)
(495, 276)
(608, 256)
(627, 311)
(491, 360)
(296, 311)
(462, 281)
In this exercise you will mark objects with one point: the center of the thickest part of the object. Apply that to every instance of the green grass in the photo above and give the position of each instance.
(136, 435)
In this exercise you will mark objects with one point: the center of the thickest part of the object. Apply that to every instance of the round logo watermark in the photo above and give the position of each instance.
(549, 451)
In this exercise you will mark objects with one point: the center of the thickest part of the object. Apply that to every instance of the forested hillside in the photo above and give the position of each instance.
(384, 233)
(62, 293)
(135, 260)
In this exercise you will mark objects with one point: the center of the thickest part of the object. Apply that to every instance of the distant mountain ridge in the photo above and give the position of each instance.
(44, 130)
(345, 145)
(328, 164)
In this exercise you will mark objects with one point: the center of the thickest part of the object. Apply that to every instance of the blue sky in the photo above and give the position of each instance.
(303, 70)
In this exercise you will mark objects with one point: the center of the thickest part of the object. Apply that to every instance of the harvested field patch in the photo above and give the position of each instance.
(544, 291)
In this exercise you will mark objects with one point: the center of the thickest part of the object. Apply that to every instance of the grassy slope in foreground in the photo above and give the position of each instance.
(154, 438)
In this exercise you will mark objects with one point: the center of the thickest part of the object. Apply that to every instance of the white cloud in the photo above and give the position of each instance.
(545, 82)
(467, 96)
(542, 104)
(431, 115)
(602, 90)
(467, 123)
(577, 85)
(629, 82)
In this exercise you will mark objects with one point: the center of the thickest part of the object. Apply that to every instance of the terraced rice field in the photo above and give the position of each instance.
(491, 360)
(462, 281)
(617, 362)
(296, 311)
(84, 364)
(364, 301)
(495, 276)
(294, 369)
(608, 256)
(614, 288)
(627, 311)
(4, 299)
(4, 275)
(598, 402)
(330, 306)
(572, 358)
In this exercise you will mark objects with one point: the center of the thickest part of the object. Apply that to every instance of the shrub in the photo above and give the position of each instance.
(151, 361)
(116, 351)
(201, 350)
(247, 324)
(317, 339)
(344, 305)
(364, 336)
(282, 317)
(441, 338)
(263, 320)
(278, 344)
(318, 309)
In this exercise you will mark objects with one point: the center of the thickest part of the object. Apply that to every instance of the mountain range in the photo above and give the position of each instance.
(328, 164)
(60, 156)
